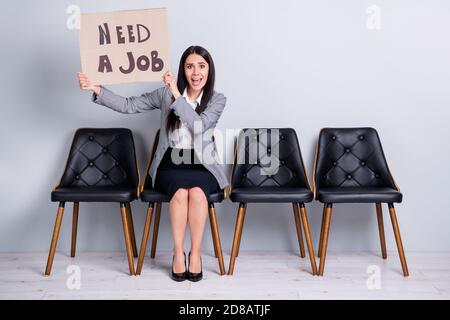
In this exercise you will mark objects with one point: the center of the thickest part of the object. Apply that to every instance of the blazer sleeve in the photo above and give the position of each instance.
(208, 118)
(136, 104)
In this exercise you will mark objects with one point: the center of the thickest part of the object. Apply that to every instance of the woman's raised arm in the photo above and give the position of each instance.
(136, 104)
(208, 118)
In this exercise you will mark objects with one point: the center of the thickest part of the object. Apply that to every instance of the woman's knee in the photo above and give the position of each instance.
(180, 196)
(196, 195)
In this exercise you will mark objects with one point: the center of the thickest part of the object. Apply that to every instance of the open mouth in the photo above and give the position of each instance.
(196, 81)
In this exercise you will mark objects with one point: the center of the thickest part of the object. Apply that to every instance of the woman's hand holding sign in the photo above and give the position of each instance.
(85, 84)
(170, 81)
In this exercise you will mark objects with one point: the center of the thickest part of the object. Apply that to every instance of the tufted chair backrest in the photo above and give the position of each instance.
(351, 157)
(101, 157)
(260, 151)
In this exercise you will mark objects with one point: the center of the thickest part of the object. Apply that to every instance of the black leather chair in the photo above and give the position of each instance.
(101, 167)
(252, 181)
(152, 196)
(350, 167)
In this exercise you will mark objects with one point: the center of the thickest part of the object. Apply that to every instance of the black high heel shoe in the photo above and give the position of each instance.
(194, 277)
(181, 276)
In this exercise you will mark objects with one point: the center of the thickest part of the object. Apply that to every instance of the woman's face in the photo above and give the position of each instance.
(196, 69)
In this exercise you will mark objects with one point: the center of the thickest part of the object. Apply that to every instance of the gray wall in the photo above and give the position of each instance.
(300, 64)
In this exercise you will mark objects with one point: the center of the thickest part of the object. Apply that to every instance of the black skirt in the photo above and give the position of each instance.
(191, 173)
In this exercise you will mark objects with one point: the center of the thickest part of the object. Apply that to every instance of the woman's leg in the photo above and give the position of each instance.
(197, 213)
(178, 207)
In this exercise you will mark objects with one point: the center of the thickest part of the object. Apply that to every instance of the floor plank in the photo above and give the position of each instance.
(257, 275)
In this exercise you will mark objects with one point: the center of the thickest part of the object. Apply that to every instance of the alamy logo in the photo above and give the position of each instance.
(73, 20)
(73, 282)
(374, 280)
(373, 21)
(261, 148)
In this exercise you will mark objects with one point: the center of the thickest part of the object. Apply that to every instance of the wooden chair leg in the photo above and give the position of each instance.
(216, 254)
(319, 253)
(131, 229)
(76, 206)
(381, 230)
(237, 231)
(298, 226)
(398, 239)
(308, 237)
(148, 222)
(216, 237)
(326, 231)
(51, 254)
(126, 233)
(155, 229)
(240, 233)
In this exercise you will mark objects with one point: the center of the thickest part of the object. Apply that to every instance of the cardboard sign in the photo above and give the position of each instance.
(124, 46)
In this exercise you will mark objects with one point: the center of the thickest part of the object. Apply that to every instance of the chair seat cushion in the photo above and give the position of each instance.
(271, 194)
(358, 195)
(152, 195)
(94, 194)
(216, 197)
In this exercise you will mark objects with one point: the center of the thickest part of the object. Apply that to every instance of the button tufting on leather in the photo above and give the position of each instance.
(96, 159)
(355, 159)
(288, 157)
(333, 138)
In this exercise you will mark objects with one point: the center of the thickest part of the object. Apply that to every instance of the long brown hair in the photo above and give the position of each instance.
(173, 121)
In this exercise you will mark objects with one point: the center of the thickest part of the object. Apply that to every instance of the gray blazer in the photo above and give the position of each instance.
(162, 99)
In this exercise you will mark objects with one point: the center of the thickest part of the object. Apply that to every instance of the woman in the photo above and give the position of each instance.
(189, 108)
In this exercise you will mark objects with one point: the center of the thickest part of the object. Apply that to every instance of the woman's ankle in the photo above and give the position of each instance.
(195, 264)
(178, 252)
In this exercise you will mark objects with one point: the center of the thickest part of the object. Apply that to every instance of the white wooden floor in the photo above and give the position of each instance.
(257, 275)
